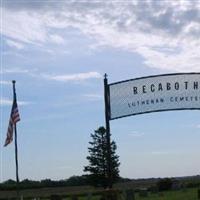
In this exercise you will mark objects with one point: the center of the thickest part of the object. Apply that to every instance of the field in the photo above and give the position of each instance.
(187, 194)
(190, 194)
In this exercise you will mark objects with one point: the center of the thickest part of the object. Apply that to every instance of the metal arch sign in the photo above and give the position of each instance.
(180, 91)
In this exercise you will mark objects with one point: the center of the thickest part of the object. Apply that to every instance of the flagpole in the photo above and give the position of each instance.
(15, 129)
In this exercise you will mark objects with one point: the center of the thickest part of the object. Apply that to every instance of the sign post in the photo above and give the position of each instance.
(107, 120)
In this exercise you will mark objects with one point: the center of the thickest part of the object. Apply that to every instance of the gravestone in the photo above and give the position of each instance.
(161, 194)
(89, 196)
(198, 194)
(110, 195)
(143, 193)
(130, 195)
(55, 197)
(74, 197)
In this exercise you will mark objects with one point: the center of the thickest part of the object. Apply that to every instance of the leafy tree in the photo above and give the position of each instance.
(9, 182)
(98, 166)
(77, 181)
(164, 184)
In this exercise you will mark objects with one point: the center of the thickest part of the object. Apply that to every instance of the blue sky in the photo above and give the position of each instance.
(58, 53)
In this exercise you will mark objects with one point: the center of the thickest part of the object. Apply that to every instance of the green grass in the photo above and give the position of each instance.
(187, 194)
(190, 194)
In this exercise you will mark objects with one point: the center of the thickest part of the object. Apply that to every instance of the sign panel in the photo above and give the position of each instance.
(154, 93)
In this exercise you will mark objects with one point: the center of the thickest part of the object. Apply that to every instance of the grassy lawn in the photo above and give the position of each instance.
(189, 194)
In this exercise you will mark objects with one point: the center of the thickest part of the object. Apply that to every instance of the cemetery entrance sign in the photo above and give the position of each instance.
(180, 91)
(153, 94)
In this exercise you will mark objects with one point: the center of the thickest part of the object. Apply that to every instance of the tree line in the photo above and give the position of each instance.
(155, 184)
(29, 184)
(82, 180)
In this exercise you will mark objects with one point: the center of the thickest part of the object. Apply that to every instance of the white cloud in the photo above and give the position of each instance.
(5, 102)
(136, 134)
(15, 44)
(160, 153)
(8, 102)
(198, 126)
(5, 83)
(74, 77)
(93, 97)
(24, 103)
(164, 33)
(15, 71)
(23, 26)
(56, 39)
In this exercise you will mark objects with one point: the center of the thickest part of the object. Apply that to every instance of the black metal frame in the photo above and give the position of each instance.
(146, 77)
(177, 109)
(152, 76)
(108, 135)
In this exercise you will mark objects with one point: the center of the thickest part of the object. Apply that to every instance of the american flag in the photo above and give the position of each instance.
(14, 118)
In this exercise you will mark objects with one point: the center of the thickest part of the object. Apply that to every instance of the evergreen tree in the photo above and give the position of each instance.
(97, 167)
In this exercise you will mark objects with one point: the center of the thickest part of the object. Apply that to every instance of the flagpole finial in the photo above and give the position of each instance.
(14, 92)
